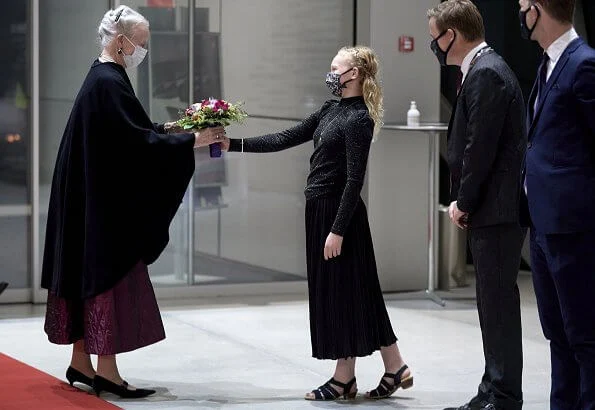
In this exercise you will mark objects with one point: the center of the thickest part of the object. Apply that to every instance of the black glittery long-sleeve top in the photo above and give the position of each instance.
(342, 133)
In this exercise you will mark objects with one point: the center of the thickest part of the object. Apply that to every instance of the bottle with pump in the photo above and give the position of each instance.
(413, 115)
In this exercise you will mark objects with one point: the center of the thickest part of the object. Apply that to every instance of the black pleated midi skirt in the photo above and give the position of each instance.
(348, 317)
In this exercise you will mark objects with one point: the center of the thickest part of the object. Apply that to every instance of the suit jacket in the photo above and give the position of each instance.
(486, 143)
(560, 160)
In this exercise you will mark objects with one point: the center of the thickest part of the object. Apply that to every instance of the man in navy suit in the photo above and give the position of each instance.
(559, 197)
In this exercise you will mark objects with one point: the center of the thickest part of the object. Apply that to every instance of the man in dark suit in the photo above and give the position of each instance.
(559, 195)
(486, 145)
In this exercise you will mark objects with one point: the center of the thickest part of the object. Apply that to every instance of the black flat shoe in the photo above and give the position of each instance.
(74, 376)
(102, 384)
(327, 392)
(386, 389)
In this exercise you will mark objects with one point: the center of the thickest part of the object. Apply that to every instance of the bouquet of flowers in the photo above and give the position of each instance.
(211, 113)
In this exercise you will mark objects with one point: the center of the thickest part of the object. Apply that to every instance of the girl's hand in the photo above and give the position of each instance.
(332, 246)
(224, 143)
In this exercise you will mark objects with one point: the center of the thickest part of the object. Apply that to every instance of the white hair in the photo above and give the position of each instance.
(122, 20)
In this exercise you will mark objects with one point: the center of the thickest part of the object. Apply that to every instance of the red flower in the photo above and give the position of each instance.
(189, 112)
(221, 105)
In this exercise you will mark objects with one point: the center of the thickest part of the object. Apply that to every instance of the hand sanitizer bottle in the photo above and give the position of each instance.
(413, 115)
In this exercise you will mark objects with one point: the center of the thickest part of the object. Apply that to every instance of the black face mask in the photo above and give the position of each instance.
(333, 82)
(438, 52)
(527, 32)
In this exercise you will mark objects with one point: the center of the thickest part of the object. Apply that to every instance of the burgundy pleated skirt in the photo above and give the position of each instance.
(348, 317)
(124, 318)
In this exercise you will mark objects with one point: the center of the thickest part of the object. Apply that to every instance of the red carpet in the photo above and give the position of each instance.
(23, 387)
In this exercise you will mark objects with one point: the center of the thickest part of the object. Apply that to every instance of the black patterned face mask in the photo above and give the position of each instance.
(440, 54)
(333, 82)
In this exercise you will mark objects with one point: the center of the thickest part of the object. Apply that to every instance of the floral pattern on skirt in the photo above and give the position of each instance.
(124, 318)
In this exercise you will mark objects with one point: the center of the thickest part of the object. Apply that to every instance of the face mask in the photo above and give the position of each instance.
(527, 32)
(137, 56)
(441, 55)
(333, 82)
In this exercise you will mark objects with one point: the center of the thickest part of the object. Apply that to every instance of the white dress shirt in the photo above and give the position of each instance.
(555, 50)
(466, 66)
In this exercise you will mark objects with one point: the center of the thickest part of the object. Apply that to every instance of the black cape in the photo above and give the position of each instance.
(118, 182)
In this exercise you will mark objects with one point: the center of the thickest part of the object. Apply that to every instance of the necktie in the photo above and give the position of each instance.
(459, 81)
(541, 80)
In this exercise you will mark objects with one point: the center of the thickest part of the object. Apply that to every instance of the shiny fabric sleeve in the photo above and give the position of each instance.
(292, 137)
(358, 138)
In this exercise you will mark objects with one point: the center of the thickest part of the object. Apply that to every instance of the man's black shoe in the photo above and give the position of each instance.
(476, 403)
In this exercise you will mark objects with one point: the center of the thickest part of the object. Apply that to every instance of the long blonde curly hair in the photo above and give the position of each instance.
(365, 59)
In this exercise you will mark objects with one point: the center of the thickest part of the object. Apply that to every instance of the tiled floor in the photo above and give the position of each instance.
(253, 353)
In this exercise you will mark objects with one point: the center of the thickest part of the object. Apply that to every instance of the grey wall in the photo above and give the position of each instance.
(275, 55)
(412, 76)
(398, 168)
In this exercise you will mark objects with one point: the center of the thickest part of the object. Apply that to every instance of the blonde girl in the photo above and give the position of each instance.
(348, 318)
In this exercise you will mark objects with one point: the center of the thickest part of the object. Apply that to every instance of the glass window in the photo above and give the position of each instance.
(249, 227)
(246, 223)
(15, 139)
(68, 45)
(162, 84)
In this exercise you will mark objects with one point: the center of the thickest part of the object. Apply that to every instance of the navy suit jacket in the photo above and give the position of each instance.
(560, 157)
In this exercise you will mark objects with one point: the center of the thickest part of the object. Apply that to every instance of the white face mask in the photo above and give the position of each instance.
(137, 56)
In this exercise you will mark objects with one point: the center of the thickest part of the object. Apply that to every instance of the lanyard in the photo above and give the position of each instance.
(479, 54)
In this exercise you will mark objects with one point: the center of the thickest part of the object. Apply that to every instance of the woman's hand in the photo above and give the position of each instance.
(172, 128)
(208, 136)
(332, 246)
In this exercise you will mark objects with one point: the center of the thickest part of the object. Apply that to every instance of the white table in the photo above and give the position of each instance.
(432, 131)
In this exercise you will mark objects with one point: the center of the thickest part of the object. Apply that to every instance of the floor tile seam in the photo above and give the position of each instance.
(222, 308)
(264, 351)
(277, 358)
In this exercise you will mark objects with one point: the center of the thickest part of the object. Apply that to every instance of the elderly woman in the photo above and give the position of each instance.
(119, 180)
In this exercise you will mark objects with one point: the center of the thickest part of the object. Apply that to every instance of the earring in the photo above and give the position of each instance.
(120, 50)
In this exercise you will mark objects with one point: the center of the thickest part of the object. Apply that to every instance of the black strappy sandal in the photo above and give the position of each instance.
(385, 389)
(327, 392)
